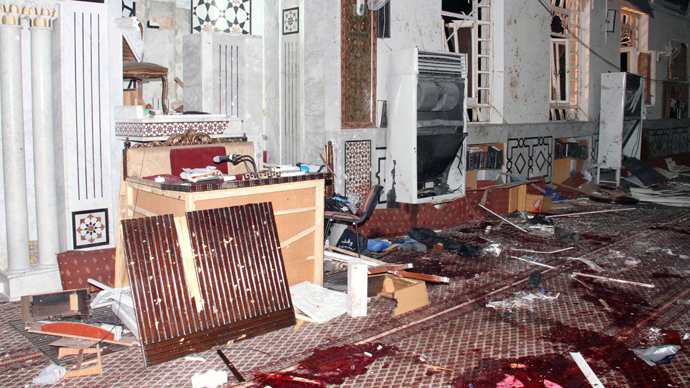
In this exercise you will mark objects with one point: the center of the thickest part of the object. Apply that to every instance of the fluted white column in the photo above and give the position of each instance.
(44, 150)
(14, 170)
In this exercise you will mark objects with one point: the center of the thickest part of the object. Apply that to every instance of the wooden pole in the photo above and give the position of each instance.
(592, 212)
(490, 211)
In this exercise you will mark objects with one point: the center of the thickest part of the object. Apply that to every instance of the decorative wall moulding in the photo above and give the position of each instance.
(358, 67)
(43, 16)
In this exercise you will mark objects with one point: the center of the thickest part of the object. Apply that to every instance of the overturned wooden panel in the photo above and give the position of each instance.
(240, 287)
(55, 305)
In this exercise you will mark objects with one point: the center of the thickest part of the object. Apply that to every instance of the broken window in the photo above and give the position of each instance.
(565, 55)
(559, 84)
(468, 31)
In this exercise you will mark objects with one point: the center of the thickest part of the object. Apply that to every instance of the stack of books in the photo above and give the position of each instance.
(570, 149)
(487, 158)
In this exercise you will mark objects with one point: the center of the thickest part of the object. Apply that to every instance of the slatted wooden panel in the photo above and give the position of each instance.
(242, 284)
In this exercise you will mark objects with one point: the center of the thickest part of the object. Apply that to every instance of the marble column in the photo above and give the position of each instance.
(16, 213)
(44, 150)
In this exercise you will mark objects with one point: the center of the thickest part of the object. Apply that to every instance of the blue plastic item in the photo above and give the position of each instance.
(377, 245)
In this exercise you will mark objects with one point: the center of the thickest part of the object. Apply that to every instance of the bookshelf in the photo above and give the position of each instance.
(568, 155)
(484, 162)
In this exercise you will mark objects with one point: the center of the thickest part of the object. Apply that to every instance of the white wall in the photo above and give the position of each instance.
(663, 27)
(526, 62)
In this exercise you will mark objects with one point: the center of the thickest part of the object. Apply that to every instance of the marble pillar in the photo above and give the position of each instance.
(16, 212)
(44, 150)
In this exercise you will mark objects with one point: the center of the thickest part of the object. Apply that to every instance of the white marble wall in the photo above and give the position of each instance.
(272, 30)
(83, 109)
(526, 62)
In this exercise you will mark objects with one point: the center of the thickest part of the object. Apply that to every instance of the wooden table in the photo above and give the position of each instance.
(297, 204)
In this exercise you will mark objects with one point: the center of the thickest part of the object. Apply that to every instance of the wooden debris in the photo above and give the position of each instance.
(387, 268)
(606, 305)
(298, 324)
(533, 262)
(615, 280)
(503, 219)
(420, 276)
(289, 378)
(55, 305)
(95, 370)
(81, 331)
(436, 367)
(581, 282)
(409, 293)
(589, 263)
(586, 370)
(541, 252)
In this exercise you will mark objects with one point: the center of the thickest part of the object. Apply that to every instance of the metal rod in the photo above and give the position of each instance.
(232, 368)
(592, 212)
(615, 280)
(534, 262)
(512, 224)
(544, 252)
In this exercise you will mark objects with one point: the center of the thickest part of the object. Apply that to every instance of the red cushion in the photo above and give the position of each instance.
(196, 158)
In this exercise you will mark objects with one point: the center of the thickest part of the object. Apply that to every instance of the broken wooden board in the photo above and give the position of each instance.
(55, 305)
(81, 331)
(387, 268)
(421, 276)
(409, 293)
(94, 370)
(74, 343)
(242, 283)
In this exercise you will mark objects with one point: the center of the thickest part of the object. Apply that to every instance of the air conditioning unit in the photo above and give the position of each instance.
(425, 146)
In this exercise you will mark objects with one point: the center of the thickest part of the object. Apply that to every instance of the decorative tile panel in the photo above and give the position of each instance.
(290, 21)
(669, 141)
(530, 157)
(358, 67)
(90, 228)
(233, 16)
(167, 129)
(357, 168)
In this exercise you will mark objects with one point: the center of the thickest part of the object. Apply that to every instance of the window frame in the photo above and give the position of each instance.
(554, 76)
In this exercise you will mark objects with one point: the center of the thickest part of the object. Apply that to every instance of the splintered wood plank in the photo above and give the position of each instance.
(421, 276)
(80, 330)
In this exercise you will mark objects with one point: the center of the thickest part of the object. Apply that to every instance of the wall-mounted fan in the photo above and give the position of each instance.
(670, 50)
(373, 5)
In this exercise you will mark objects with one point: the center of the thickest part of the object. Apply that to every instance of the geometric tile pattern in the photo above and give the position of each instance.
(669, 141)
(233, 16)
(291, 21)
(90, 228)
(358, 67)
(530, 157)
(357, 168)
(167, 129)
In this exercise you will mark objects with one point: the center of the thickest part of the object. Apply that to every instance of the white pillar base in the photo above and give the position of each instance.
(14, 285)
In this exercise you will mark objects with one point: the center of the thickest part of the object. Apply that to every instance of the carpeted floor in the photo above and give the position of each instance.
(457, 341)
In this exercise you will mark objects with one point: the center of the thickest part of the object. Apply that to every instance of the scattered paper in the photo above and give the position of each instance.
(318, 303)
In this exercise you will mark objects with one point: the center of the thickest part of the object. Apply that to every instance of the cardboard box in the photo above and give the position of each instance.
(409, 293)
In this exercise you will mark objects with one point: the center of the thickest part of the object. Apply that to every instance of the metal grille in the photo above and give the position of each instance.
(237, 264)
(440, 63)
